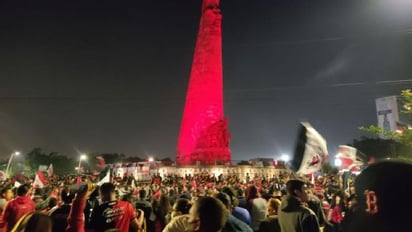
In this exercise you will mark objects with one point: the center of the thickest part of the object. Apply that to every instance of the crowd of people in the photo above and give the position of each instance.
(203, 202)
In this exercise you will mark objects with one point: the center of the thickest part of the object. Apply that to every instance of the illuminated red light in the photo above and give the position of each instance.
(203, 135)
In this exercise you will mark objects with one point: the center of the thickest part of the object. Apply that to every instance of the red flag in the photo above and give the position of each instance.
(102, 162)
(80, 170)
(351, 158)
(39, 180)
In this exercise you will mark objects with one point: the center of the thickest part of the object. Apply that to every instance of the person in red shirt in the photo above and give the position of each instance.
(113, 213)
(75, 220)
(18, 207)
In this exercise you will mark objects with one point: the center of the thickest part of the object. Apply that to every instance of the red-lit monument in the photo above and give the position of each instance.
(203, 135)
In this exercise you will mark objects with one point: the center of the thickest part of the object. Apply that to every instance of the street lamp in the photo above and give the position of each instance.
(82, 157)
(9, 163)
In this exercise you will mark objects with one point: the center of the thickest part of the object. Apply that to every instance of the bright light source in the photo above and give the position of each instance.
(83, 157)
(338, 162)
(17, 153)
(285, 158)
(151, 159)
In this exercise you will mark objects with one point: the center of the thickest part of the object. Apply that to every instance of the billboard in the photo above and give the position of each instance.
(387, 113)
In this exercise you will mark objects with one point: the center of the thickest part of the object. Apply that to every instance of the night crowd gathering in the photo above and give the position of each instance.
(377, 199)
(299, 197)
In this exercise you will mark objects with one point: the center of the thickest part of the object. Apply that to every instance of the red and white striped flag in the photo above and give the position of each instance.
(39, 180)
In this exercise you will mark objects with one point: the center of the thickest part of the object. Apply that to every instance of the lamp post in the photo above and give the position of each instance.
(9, 163)
(82, 157)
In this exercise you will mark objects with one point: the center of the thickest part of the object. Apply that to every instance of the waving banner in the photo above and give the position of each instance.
(352, 159)
(310, 152)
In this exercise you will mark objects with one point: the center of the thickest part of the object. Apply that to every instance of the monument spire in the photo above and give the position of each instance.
(203, 135)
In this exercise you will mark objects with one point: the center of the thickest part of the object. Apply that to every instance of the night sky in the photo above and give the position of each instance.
(111, 76)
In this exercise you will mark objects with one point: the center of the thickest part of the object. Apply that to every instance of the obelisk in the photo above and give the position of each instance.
(203, 137)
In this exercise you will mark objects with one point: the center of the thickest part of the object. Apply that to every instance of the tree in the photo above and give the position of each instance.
(402, 136)
(167, 161)
(380, 148)
(112, 158)
(244, 162)
(133, 159)
(35, 158)
(326, 168)
(61, 164)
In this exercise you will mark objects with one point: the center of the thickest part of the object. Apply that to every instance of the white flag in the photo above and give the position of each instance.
(50, 171)
(105, 179)
(311, 151)
(133, 184)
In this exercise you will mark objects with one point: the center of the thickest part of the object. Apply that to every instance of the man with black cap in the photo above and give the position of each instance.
(293, 215)
(383, 190)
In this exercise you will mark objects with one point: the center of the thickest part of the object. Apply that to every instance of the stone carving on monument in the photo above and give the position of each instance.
(213, 144)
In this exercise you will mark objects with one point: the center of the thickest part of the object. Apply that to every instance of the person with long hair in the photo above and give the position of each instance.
(256, 206)
(161, 207)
